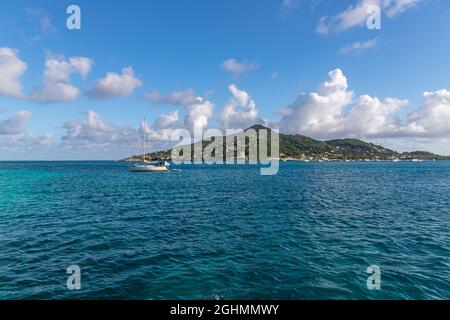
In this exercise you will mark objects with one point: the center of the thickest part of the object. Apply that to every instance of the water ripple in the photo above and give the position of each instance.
(225, 232)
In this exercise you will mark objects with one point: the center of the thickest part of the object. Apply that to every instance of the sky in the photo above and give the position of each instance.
(311, 67)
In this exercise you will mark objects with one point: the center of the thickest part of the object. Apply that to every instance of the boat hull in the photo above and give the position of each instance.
(149, 169)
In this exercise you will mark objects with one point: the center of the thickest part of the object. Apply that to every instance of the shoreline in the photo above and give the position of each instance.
(281, 160)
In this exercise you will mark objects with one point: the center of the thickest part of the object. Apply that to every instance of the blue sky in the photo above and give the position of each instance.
(274, 52)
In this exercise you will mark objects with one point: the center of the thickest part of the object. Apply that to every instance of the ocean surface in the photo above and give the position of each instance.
(224, 231)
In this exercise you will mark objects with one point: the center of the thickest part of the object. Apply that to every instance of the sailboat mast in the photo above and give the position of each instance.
(143, 145)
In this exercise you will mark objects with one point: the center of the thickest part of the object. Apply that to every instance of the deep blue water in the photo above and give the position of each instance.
(225, 232)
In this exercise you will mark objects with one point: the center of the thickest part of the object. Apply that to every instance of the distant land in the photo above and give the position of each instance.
(302, 148)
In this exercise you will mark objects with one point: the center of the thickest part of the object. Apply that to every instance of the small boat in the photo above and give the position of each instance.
(149, 167)
(145, 166)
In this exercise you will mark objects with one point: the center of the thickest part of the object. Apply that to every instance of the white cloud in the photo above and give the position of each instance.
(163, 127)
(371, 117)
(356, 15)
(181, 98)
(359, 47)
(44, 139)
(433, 118)
(333, 112)
(57, 86)
(397, 7)
(24, 142)
(11, 69)
(14, 137)
(97, 138)
(240, 111)
(16, 124)
(318, 113)
(169, 120)
(96, 133)
(198, 109)
(198, 114)
(238, 68)
(116, 85)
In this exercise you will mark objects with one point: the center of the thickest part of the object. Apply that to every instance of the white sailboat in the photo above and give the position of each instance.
(145, 166)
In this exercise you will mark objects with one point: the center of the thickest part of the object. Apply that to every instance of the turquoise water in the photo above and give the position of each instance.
(225, 232)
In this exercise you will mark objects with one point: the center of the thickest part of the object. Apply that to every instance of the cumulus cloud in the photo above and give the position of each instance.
(101, 138)
(24, 142)
(14, 136)
(116, 85)
(169, 120)
(317, 113)
(57, 79)
(96, 132)
(11, 69)
(433, 118)
(43, 139)
(356, 15)
(57, 85)
(16, 124)
(198, 114)
(238, 68)
(198, 109)
(162, 128)
(334, 112)
(371, 117)
(358, 47)
(240, 111)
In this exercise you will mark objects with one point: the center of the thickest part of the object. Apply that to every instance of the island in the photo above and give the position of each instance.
(302, 148)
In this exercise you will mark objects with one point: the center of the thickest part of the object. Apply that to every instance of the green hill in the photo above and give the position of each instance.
(299, 147)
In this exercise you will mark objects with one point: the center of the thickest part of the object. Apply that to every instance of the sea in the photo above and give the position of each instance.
(313, 231)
